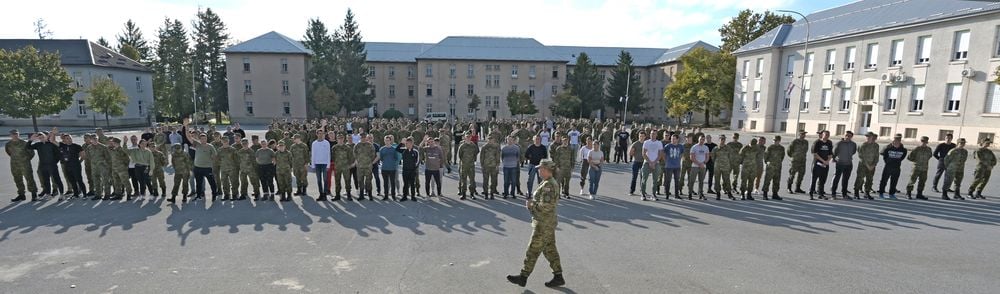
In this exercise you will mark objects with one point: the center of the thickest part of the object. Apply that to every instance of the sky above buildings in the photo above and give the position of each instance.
(618, 23)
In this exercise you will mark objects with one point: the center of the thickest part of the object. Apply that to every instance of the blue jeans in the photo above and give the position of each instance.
(321, 179)
(595, 180)
(636, 166)
(532, 174)
(509, 179)
(375, 176)
(672, 174)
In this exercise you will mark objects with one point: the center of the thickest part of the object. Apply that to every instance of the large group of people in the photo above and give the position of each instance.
(364, 158)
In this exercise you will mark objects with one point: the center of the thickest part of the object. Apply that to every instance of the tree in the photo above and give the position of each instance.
(747, 26)
(625, 83)
(392, 113)
(567, 104)
(103, 42)
(322, 71)
(474, 105)
(520, 103)
(351, 80)
(42, 29)
(706, 84)
(210, 38)
(172, 83)
(326, 100)
(129, 52)
(131, 36)
(106, 97)
(997, 75)
(587, 84)
(33, 84)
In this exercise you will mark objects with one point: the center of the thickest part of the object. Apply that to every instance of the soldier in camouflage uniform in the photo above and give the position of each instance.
(798, 150)
(735, 147)
(87, 165)
(749, 161)
(159, 180)
(868, 156)
(182, 164)
(216, 160)
(607, 137)
(445, 140)
(364, 155)
(983, 169)
(246, 155)
(20, 166)
(119, 170)
(955, 170)
(723, 158)
(229, 168)
(773, 157)
(562, 155)
(919, 156)
(544, 219)
(685, 162)
(467, 153)
(343, 161)
(489, 160)
(301, 158)
(283, 165)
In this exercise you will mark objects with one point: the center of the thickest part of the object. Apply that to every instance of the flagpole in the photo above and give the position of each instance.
(628, 82)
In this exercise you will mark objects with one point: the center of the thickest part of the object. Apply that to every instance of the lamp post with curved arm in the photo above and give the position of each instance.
(802, 85)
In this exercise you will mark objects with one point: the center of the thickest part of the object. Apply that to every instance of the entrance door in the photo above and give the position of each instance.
(866, 120)
(493, 114)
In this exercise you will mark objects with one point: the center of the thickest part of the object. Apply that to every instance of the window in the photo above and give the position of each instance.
(471, 90)
(81, 106)
(392, 91)
(284, 87)
(849, 59)
(917, 104)
(788, 102)
(604, 75)
(555, 71)
(782, 126)
(246, 64)
(411, 109)
(810, 57)
(429, 107)
(452, 72)
(531, 91)
(756, 100)
(392, 72)
(513, 88)
(944, 133)
(531, 72)
(760, 67)
(371, 90)
(993, 98)
(409, 72)
(430, 90)
(739, 124)
(513, 71)
(471, 71)
(373, 110)
(872, 56)
(429, 70)
(802, 127)
(831, 60)
(286, 107)
(884, 131)
(897, 53)
(451, 90)
(496, 67)
(249, 105)
(284, 65)
(247, 88)
(825, 100)
(141, 111)
(924, 52)
(555, 90)
(753, 125)
(996, 43)
(910, 133)
(954, 97)
(745, 72)
(821, 127)
(743, 101)
(138, 84)
(961, 45)
(841, 129)
(805, 101)
(891, 95)
(489, 81)
(496, 81)
(845, 99)
(78, 78)
(411, 91)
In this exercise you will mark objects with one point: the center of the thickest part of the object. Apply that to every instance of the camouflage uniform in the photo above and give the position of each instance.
(563, 157)
(467, 153)
(749, 160)
(20, 166)
(159, 161)
(248, 171)
(736, 148)
(119, 171)
(489, 160)
(983, 171)
(543, 223)
(364, 154)
(868, 155)
(229, 167)
(919, 156)
(685, 163)
(797, 150)
(216, 161)
(722, 158)
(283, 165)
(773, 157)
(182, 171)
(343, 157)
(300, 158)
(955, 170)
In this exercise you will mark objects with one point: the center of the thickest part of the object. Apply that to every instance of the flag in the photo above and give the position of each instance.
(621, 99)
(788, 90)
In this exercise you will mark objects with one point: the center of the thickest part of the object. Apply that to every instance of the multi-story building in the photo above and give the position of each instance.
(916, 68)
(420, 78)
(267, 79)
(85, 62)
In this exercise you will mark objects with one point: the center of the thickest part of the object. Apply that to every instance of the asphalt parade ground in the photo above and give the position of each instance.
(614, 244)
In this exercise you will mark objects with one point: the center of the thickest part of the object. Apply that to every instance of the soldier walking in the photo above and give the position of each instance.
(954, 170)
(544, 219)
(562, 155)
(983, 169)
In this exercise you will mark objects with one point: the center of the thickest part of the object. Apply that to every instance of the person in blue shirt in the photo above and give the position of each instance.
(672, 167)
(389, 160)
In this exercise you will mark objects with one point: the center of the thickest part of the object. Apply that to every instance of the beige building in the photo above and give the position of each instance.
(267, 79)
(916, 68)
(86, 62)
(421, 78)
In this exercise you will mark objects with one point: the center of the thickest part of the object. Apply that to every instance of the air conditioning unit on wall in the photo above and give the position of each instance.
(968, 73)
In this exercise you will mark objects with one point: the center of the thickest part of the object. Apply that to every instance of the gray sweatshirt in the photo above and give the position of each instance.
(844, 152)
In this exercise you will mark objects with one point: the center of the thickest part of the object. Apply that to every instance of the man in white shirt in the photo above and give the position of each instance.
(574, 141)
(583, 154)
(320, 159)
(356, 136)
(652, 152)
(546, 134)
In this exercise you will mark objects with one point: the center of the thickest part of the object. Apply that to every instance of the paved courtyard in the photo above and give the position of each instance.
(616, 244)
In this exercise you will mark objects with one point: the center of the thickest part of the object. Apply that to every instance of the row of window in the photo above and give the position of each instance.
(959, 51)
(953, 99)
(82, 109)
(452, 92)
(78, 80)
(248, 87)
(841, 129)
(286, 108)
(453, 71)
(283, 68)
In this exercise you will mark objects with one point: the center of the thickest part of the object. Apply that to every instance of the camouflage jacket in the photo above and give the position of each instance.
(774, 155)
(798, 150)
(543, 204)
(489, 156)
(920, 156)
(986, 158)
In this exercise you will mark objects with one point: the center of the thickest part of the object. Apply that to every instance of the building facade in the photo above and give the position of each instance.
(421, 78)
(267, 79)
(916, 68)
(85, 62)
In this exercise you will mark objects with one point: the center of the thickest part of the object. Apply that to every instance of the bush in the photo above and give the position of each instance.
(392, 113)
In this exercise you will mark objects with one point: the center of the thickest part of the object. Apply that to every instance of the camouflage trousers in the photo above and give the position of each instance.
(301, 173)
(953, 176)
(88, 170)
(342, 179)
(748, 175)
(120, 180)
(722, 183)
(249, 176)
(181, 179)
(736, 177)
(796, 172)
(101, 182)
(364, 182)
(159, 180)
(562, 177)
(543, 241)
(772, 178)
(284, 181)
(981, 177)
(23, 174)
(490, 175)
(918, 177)
(865, 178)
(467, 179)
(230, 180)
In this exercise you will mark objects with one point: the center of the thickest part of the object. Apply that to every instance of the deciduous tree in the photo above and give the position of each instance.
(106, 97)
(33, 84)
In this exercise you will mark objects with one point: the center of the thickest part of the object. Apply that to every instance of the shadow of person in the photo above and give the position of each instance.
(25, 217)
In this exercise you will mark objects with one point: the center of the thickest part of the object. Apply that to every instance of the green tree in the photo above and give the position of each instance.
(210, 38)
(103, 42)
(172, 83)
(33, 84)
(392, 113)
(129, 52)
(351, 80)
(566, 104)
(587, 84)
(624, 78)
(705, 85)
(106, 97)
(474, 105)
(131, 36)
(996, 74)
(326, 100)
(520, 103)
(749, 25)
(322, 71)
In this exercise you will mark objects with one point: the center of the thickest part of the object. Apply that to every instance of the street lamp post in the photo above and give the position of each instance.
(628, 82)
(802, 85)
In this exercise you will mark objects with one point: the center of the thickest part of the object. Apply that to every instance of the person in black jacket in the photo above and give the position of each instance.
(822, 158)
(48, 168)
(411, 159)
(939, 153)
(893, 155)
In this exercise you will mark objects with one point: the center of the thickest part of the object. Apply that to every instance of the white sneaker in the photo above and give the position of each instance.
(592, 197)
(583, 193)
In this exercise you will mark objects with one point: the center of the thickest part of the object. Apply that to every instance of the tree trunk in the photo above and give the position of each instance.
(107, 121)
(218, 117)
(34, 122)
(706, 117)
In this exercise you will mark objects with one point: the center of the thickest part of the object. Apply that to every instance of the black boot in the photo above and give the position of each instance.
(518, 280)
(776, 197)
(556, 281)
(18, 198)
(944, 194)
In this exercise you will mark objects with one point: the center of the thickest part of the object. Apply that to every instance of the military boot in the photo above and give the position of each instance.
(775, 196)
(519, 280)
(18, 198)
(556, 281)
(979, 194)
(730, 194)
(944, 194)
(909, 193)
